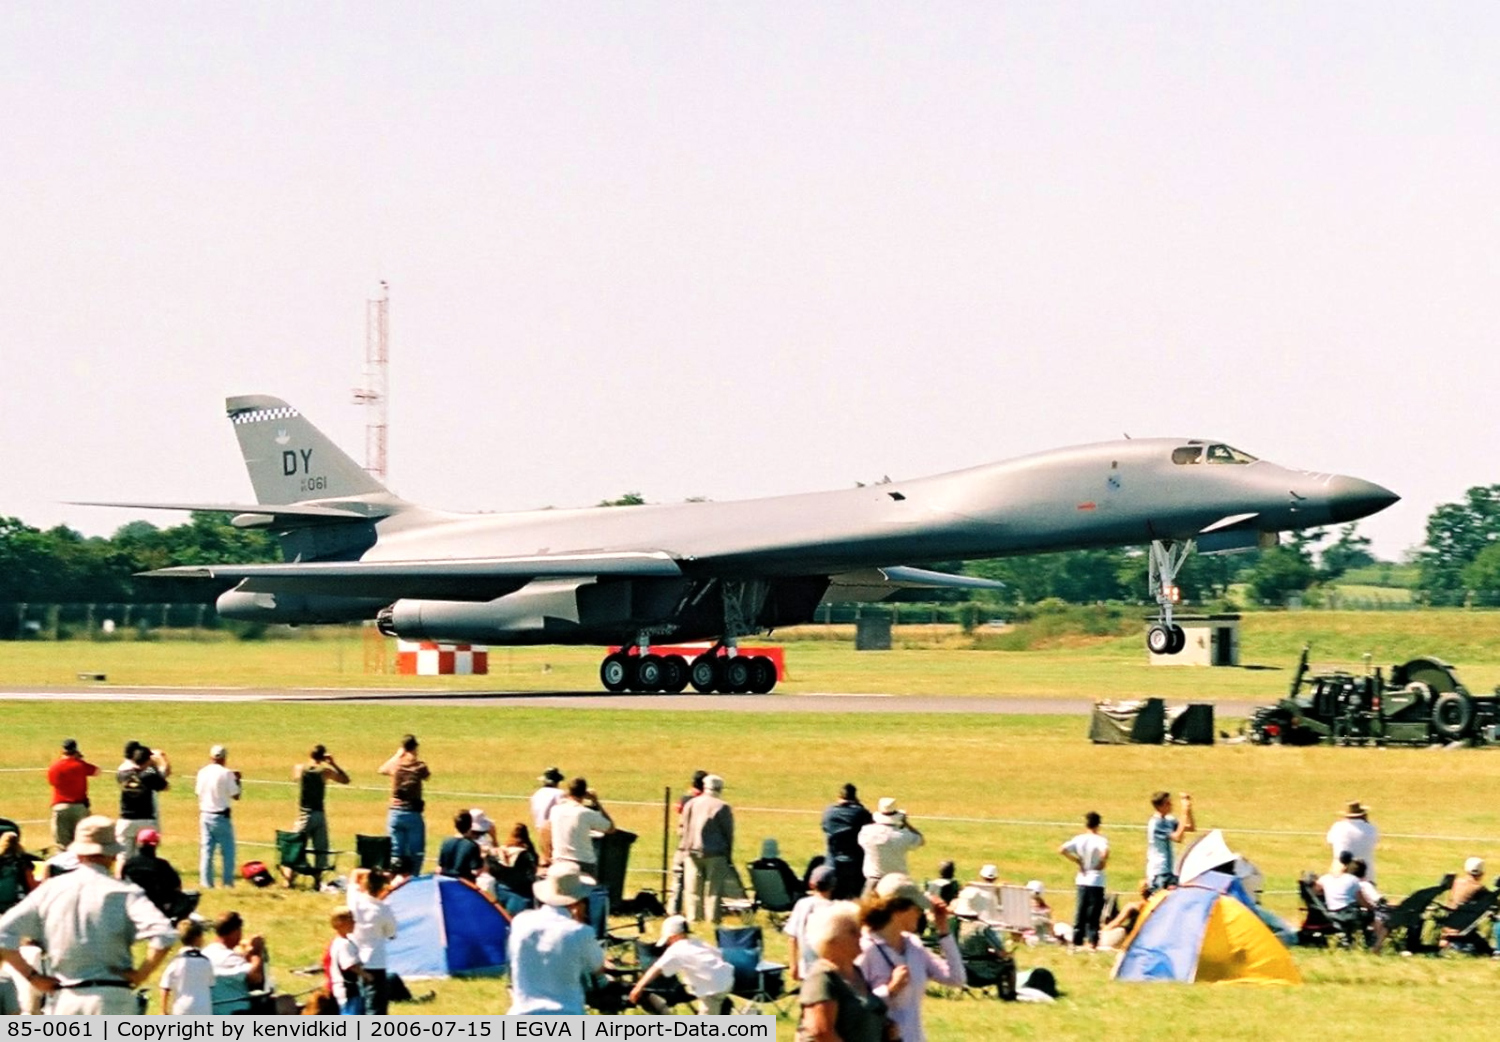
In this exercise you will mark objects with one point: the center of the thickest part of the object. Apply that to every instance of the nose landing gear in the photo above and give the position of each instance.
(1166, 559)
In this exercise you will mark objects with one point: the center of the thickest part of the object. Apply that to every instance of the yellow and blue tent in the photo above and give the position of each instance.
(1205, 932)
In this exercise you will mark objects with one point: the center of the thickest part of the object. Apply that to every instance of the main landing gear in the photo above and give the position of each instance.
(716, 670)
(1166, 559)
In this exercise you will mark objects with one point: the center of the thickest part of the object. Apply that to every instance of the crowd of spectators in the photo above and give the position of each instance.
(865, 938)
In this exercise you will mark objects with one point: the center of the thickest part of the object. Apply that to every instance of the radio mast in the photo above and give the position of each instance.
(374, 395)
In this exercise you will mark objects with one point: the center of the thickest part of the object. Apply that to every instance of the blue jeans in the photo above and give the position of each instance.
(215, 831)
(354, 1005)
(408, 834)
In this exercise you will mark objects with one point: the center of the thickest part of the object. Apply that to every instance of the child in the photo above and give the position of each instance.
(1043, 931)
(344, 969)
(190, 976)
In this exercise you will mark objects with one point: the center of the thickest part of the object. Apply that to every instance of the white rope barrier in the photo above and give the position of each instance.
(806, 812)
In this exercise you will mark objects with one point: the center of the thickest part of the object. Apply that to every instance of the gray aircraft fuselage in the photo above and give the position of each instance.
(1103, 495)
(608, 575)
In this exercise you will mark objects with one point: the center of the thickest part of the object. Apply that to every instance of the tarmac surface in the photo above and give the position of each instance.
(783, 703)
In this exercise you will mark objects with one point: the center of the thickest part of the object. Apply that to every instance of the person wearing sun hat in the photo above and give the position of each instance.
(543, 799)
(552, 948)
(87, 921)
(1355, 833)
(699, 965)
(886, 842)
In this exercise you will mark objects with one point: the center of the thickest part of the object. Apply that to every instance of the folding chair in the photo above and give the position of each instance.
(1317, 925)
(373, 851)
(1410, 917)
(986, 962)
(771, 893)
(1015, 908)
(293, 860)
(755, 979)
(1460, 926)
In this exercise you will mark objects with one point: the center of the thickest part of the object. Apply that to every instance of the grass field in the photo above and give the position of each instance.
(983, 788)
(928, 660)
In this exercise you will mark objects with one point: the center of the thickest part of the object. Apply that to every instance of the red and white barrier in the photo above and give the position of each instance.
(426, 659)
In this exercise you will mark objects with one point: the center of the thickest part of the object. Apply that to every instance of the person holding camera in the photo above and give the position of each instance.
(312, 785)
(574, 820)
(217, 788)
(143, 774)
(1162, 830)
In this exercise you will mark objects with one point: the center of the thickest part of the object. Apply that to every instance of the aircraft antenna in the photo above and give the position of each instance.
(374, 394)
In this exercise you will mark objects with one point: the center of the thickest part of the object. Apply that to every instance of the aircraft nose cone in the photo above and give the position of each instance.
(1350, 499)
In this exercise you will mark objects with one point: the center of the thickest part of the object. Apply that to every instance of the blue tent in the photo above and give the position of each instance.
(445, 928)
(1204, 931)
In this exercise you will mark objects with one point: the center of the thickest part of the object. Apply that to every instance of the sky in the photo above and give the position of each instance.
(740, 249)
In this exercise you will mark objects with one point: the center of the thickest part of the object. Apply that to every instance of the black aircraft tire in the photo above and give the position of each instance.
(1159, 640)
(737, 674)
(762, 675)
(704, 673)
(615, 672)
(648, 673)
(1452, 714)
(1179, 640)
(674, 674)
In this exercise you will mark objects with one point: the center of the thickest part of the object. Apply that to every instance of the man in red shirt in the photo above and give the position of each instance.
(69, 778)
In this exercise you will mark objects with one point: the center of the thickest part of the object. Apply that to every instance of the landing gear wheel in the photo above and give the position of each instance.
(674, 674)
(1452, 714)
(648, 673)
(762, 675)
(1179, 640)
(615, 672)
(1159, 640)
(704, 674)
(737, 674)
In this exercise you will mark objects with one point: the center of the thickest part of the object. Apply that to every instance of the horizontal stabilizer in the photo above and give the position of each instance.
(474, 579)
(307, 511)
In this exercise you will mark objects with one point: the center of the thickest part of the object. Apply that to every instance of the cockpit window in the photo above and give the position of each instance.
(1225, 454)
(1188, 454)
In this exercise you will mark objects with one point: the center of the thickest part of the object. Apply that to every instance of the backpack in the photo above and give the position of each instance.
(258, 873)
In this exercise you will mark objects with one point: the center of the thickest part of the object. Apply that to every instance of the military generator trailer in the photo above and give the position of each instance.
(1421, 702)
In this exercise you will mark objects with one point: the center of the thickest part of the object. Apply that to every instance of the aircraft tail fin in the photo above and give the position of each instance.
(289, 459)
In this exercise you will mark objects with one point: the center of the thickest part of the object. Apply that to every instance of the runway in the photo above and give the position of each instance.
(814, 702)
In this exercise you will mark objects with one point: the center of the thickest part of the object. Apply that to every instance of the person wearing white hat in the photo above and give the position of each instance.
(886, 842)
(696, 963)
(980, 899)
(552, 948)
(217, 788)
(87, 921)
(1354, 833)
(1466, 885)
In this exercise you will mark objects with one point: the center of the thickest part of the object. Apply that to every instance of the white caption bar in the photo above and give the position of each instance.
(380, 1029)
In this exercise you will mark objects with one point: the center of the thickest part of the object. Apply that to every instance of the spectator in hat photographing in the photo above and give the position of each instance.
(886, 842)
(88, 921)
(69, 777)
(218, 788)
(543, 799)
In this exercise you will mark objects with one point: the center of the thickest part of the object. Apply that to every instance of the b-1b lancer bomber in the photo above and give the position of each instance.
(723, 571)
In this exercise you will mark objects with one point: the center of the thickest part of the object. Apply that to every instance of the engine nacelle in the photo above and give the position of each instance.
(548, 611)
(292, 608)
